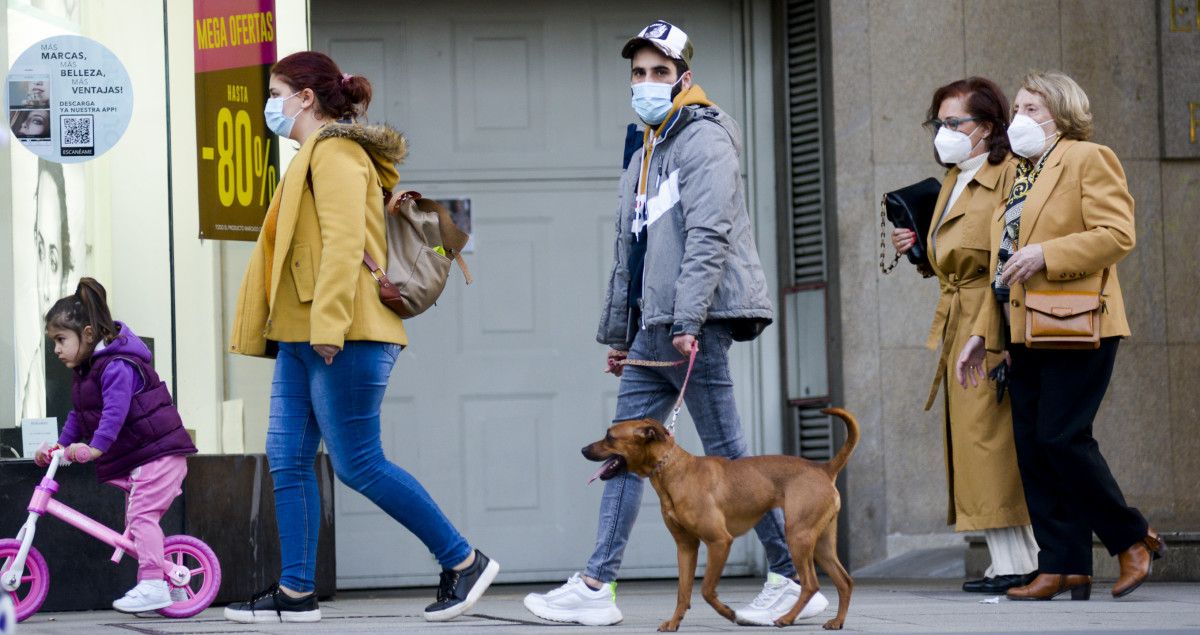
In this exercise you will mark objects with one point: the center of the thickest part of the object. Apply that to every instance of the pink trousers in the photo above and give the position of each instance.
(150, 488)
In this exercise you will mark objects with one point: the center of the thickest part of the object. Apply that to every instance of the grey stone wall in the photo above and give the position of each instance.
(887, 58)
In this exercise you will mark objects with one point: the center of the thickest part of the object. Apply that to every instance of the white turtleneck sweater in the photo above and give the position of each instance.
(966, 172)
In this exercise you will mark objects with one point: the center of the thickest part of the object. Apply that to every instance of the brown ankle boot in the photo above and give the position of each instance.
(1048, 586)
(1136, 563)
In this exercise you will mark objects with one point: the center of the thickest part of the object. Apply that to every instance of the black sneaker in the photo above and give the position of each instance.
(458, 591)
(273, 605)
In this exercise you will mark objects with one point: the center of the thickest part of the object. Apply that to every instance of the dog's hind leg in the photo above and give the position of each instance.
(826, 557)
(718, 552)
(800, 544)
(686, 550)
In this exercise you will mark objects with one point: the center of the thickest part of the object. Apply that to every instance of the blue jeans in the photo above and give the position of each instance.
(650, 392)
(339, 403)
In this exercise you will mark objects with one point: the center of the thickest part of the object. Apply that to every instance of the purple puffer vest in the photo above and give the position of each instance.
(152, 429)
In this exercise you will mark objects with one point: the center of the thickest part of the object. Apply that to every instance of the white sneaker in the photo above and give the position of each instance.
(577, 603)
(777, 597)
(148, 595)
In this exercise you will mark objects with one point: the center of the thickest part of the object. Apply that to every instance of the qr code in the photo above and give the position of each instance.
(77, 131)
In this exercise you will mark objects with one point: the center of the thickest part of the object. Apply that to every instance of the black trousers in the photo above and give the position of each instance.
(1069, 489)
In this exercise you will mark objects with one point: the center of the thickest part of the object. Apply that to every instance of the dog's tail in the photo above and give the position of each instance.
(839, 460)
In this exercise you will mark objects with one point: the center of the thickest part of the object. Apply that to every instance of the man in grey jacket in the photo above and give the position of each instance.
(685, 275)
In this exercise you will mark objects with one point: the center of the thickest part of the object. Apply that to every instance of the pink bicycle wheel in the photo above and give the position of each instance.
(202, 589)
(35, 580)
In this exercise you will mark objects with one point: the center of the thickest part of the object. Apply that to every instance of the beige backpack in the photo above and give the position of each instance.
(422, 241)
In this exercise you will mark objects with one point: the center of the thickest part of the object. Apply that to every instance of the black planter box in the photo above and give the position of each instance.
(227, 502)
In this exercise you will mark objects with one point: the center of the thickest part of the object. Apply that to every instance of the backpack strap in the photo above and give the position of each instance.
(453, 238)
(377, 272)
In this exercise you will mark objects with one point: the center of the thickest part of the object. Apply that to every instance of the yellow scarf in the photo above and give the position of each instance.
(693, 96)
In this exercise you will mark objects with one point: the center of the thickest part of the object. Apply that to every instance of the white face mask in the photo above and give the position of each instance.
(1026, 137)
(953, 146)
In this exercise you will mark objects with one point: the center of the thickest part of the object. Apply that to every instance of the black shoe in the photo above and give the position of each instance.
(977, 586)
(459, 590)
(273, 605)
(998, 584)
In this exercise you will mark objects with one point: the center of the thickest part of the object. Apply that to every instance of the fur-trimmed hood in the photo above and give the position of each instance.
(386, 146)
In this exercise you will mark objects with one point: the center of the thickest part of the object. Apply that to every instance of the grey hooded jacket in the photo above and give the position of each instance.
(701, 262)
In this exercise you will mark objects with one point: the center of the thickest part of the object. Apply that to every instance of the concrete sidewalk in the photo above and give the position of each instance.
(878, 606)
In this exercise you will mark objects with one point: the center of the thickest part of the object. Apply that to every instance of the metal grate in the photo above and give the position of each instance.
(814, 433)
(804, 132)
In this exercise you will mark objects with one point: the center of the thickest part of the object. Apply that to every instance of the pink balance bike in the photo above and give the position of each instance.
(192, 569)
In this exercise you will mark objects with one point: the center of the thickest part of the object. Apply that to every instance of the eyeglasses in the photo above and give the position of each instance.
(950, 122)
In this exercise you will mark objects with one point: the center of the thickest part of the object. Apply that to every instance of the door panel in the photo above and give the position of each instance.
(521, 108)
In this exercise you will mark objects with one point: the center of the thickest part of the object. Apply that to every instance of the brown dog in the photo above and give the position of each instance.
(714, 500)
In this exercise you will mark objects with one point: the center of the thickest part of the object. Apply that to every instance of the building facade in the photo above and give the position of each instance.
(521, 109)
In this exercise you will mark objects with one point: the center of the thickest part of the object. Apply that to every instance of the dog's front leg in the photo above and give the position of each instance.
(718, 552)
(686, 549)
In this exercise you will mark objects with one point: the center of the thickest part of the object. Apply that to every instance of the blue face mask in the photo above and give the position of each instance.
(278, 122)
(652, 101)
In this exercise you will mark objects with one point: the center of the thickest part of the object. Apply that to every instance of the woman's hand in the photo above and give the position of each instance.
(970, 362)
(903, 239)
(327, 352)
(1022, 265)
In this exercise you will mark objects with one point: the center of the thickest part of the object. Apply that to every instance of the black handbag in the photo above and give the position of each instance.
(909, 208)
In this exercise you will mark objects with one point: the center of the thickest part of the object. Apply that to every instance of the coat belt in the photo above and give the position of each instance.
(945, 323)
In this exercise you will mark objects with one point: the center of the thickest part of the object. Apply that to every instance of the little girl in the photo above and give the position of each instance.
(125, 421)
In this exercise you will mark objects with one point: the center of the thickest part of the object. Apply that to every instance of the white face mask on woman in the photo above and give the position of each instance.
(1026, 137)
(953, 146)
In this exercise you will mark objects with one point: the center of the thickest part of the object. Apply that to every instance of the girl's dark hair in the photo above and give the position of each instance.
(338, 95)
(88, 306)
(985, 100)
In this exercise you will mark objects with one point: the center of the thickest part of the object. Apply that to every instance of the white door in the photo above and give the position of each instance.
(522, 108)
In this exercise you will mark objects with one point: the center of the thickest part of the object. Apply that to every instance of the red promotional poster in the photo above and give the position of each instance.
(238, 159)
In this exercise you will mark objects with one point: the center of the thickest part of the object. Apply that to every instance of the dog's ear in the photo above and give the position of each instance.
(650, 433)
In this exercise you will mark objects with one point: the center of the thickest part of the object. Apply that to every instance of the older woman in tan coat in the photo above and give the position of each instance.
(1056, 243)
(971, 120)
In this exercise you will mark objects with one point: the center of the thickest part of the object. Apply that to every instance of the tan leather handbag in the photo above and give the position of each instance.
(1064, 319)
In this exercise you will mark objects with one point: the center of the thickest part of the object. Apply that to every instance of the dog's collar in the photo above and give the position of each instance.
(663, 461)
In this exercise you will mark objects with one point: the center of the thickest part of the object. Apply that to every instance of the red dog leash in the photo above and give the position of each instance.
(691, 362)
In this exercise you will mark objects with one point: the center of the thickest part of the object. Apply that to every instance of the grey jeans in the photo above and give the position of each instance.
(650, 392)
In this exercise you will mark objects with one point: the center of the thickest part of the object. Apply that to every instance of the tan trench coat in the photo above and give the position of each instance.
(981, 461)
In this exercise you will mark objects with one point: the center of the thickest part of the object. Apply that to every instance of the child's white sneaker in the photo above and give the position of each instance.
(148, 595)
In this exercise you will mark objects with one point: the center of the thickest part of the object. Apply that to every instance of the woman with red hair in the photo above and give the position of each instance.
(308, 301)
(970, 121)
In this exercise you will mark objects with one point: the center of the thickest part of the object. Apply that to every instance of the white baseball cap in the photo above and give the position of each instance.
(664, 36)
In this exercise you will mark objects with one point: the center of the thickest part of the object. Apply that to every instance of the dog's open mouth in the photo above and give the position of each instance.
(611, 467)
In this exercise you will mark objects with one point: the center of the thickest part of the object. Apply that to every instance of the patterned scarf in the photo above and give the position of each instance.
(1027, 174)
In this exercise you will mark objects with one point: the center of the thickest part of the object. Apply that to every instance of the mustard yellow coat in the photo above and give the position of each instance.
(320, 292)
(1081, 213)
(981, 461)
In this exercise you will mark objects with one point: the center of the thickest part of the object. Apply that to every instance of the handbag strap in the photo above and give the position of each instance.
(883, 239)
